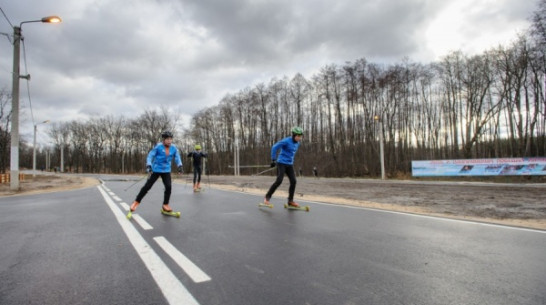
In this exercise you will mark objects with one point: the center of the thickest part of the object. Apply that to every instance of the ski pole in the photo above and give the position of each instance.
(205, 169)
(265, 171)
(208, 178)
(187, 178)
(125, 190)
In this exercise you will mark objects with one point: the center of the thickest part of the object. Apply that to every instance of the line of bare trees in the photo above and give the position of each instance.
(103, 145)
(111, 144)
(485, 106)
(482, 106)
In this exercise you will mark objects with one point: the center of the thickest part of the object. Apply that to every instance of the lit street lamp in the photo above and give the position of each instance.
(34, 148)
(381, 149)
(14, 153)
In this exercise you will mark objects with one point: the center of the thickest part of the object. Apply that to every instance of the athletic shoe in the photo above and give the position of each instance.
(134, 205)
(293, 204)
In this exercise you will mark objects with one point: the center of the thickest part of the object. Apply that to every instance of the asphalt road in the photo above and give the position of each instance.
(77, 247)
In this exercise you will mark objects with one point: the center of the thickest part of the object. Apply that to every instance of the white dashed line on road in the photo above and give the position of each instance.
(124, 205)
(196, 274)
(170, 286)
(145, 225)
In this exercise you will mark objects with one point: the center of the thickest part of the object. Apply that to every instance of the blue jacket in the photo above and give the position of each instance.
(160, 162)
(288, 149)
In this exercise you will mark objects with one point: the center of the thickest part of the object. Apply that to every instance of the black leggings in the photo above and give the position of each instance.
(281, 170)
(165, 177)
(197, 174)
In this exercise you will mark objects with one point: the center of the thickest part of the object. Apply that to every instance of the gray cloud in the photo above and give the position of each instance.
(121, 57)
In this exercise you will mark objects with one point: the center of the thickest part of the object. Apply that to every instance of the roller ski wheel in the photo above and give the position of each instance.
(129, 215)
(171, 213)
(264, 205)
(299, 208)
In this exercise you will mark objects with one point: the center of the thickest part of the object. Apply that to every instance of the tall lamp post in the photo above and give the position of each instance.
(381, 148)
(14, 153)
(34, 148)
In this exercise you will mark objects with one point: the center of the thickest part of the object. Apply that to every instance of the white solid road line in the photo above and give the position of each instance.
(196, 274)
(143, 223)
(170, 286)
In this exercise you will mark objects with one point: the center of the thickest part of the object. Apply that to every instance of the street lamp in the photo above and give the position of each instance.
(14, 153)
(34, 148)
(381, 149)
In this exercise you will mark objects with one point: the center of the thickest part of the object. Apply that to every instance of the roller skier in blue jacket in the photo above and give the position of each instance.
(158, 163)
(285, 164)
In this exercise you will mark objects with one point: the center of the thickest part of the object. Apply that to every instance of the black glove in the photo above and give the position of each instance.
(273, 163)
(180, 169)
(148, 168)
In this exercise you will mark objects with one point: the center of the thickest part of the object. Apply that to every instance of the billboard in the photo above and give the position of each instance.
(480, 167)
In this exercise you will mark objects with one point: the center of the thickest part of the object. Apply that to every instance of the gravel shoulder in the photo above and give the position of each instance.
(46, 183)
(521, 204)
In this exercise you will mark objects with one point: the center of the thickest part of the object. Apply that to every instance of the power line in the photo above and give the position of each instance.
(6, 34)
(26, 68)
(6, 17)
(28, 80)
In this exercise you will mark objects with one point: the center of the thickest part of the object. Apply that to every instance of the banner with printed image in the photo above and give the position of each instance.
(480, 167)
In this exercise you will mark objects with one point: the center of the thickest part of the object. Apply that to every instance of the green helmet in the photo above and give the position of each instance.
(298, 131)
(197, 147)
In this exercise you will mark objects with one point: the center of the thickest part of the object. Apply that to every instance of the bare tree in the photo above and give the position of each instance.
(5, 135)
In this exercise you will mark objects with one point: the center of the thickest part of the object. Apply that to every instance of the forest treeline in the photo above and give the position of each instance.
(489, 105)
(484, 106)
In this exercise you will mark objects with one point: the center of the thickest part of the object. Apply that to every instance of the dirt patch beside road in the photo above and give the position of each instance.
(47, 183)
(522, 205)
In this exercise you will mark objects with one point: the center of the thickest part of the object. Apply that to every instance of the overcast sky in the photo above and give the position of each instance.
(122, 57)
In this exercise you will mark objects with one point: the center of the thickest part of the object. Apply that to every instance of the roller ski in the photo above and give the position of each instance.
(265, 204)
(132, 209)
(169, 212)
(295, 206)
(197, 188)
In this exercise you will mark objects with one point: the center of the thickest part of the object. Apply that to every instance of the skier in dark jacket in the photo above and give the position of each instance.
(285, 164)
(158, 163)
(197, 157)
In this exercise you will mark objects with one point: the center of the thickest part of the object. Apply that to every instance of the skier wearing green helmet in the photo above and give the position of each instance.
(285, 164)
(197, 157)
